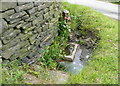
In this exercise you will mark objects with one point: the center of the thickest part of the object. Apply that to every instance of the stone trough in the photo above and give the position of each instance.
(75, 59)
(74, 47)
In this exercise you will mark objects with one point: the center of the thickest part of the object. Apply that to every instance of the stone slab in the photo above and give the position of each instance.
(24, 7)
(8, 5)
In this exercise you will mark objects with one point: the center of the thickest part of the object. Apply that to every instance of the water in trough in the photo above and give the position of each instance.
(80, 59)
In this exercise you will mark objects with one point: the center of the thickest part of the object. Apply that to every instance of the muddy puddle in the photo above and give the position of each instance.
(80, 60)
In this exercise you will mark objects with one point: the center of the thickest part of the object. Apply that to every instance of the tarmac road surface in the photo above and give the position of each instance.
(106, 8)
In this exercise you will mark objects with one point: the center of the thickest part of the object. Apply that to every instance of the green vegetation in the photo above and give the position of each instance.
(12, 74)
(55, 51)
(103, 65)
(16, 74)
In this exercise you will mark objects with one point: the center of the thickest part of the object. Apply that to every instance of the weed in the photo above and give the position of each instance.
(55, 51)
(12, 74)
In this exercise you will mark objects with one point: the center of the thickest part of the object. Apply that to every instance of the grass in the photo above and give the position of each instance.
(24, 74)
(103, 65)
(12, 73)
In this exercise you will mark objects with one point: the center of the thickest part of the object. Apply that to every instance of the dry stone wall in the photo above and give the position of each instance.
(26, 27)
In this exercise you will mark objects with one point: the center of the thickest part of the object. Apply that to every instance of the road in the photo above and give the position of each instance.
(106, 8)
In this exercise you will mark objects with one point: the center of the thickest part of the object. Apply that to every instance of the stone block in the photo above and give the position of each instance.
(16, 15)
(46, 10)
(24, 43)
(33, 38)
(45, 27)
(30, 19)
(37, 43)
(45, 39)
(7, 32)
(21, 25)
(8, 5)
(3, 26)
(5, 41)
(41, 7)
(43, 36)
(39, 13)
(10, 36)
(46, 15)
(48, 42)
(47, 4)
(15, 24)
(21, 51)
(35, 53)
(24, 7)
(33, 10)
(39, 29)
(6, 54)
(52, 12)
(31, 47)
(11, 43)
(26, 60)
(15, 20)
(39, 24)
(18, 53)
(27, 26)
(31, 55)
(37, 20)
(25, 36)
(30, 28)
(22, 2)
(37, 3)
(25, 17)
(23, 55)
(7, 13)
